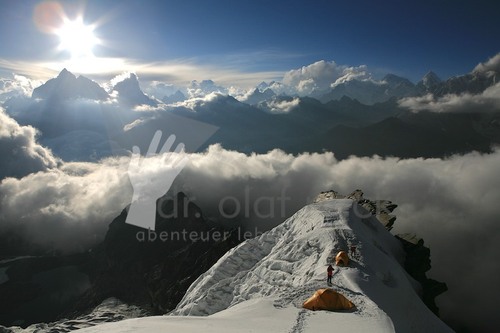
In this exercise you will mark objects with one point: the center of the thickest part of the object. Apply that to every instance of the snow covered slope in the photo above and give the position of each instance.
(260, 285)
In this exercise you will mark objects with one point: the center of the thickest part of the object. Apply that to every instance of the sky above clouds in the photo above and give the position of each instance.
(249, 41)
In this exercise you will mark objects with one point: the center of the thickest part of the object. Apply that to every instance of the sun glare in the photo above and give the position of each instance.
(77, 38)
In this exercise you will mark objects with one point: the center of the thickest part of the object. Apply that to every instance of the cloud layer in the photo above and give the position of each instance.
(68, 208)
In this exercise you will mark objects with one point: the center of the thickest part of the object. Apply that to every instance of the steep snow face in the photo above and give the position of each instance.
(288, 263)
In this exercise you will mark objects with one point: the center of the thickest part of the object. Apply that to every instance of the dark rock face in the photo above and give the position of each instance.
(40, 288)
(149, 269)
(417, 263)
(153, 269)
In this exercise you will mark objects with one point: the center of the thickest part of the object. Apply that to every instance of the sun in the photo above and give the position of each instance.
(77, 38)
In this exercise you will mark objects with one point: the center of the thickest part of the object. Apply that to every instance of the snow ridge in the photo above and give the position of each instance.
(260, 285)
(287, 264)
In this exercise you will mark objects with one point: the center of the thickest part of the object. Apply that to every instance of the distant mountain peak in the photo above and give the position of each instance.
(430, 79)
(130, 81)
(431, 74)
(395, 79)
(178, 96)
(67, 86)
(130, 93)
(66, 74)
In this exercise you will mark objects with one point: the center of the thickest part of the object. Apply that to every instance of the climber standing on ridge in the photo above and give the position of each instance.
(329, 272)
(353, 250)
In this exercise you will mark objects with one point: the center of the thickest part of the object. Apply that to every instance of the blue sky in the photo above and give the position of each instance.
(224, 39)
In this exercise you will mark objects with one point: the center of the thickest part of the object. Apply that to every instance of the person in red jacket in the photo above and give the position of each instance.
(329, 272)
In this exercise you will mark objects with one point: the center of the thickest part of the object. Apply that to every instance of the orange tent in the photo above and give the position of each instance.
(327, 299)
(342, 259)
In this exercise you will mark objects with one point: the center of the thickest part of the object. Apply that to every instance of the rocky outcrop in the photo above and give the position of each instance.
(417, 264)
(382, 209)
(39, 289)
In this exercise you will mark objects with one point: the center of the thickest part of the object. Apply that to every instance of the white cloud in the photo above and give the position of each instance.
(67, 208)
(17, 86)
(487, 101)
(492, 65)
(201, 89)
(20, 152)
(158, 89)
(280, 105)
(352, 73)
(202, 100)
(118, 78)
(321, 76)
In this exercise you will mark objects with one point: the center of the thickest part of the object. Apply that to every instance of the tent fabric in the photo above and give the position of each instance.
(327, 299)
(342, 259)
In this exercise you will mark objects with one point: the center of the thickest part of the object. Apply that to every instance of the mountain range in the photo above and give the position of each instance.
(356, 117)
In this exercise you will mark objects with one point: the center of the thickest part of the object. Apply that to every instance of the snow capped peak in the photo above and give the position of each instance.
(264, 85)
(430, 79)
(129, 82)
(288, 263)
(430, 75)
(176, 97)
(393, 79)
(256, 96)
(65, 74)
(203, 88)
(492, 65)
(130, 93)
(67, 86)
